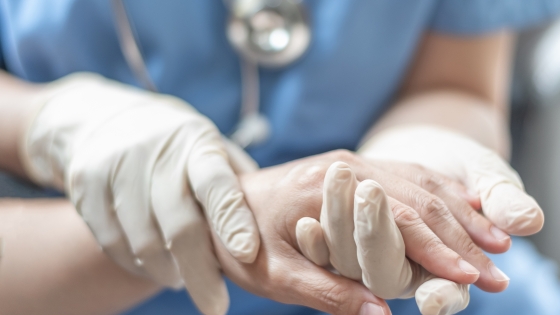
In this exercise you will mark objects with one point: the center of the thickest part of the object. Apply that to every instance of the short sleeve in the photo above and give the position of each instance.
(480, 16)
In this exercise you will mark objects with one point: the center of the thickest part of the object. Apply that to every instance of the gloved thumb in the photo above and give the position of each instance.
(502, 195)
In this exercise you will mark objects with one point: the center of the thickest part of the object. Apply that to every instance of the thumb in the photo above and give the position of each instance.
(217, 188)
(503, 198)
(320, 289)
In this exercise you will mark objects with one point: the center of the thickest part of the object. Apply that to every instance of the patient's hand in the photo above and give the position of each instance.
(280, 196)
(358, 236)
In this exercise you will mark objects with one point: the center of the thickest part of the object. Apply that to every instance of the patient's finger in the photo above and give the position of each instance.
(315, 287)
(436, 215)
(424, 247)
(286, 276)
(482, 232)
(311, 241)
(337, 219)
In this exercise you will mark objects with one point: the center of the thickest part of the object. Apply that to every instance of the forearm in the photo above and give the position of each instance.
(459, 111)
(51, 264)
(15, 108)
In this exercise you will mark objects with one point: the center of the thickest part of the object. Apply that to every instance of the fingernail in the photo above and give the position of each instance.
(499, 234)
(371, 309)
(343, 173)
(468, 268)
(497, 273)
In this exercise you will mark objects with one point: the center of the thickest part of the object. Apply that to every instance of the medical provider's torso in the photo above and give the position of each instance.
(359, 53)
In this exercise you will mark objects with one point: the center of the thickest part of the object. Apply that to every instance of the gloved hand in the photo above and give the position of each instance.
(358, 236)
(504, 201)
(134, 164)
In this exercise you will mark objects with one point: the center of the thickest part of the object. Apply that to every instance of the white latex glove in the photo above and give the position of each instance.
(504, 201)
(359, 237)
(130, 161)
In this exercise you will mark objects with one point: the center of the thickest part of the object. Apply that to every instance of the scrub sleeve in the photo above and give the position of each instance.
(2, 64)
(474, 17)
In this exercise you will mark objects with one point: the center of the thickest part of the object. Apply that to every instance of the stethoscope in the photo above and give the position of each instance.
(267, 33)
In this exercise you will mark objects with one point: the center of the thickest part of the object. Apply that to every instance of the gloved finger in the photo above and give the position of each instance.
(186, 234)
(480, 229)
(502, 195)
(436, 215)
(425, 248)
(337, 219)
(217, 188)
(94, 205)
(381, 251)
(311, 241)
(132, 202)
(240, 161)
(442, 297)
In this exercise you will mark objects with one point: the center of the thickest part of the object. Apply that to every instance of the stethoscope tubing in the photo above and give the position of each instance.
(253, 127)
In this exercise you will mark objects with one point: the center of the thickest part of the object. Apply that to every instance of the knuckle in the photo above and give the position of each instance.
(431, 247)
(335, 297)
(343, 155)
(468, 248)
(430, 206)
(311, 176)
(403, 213)
(429, 182)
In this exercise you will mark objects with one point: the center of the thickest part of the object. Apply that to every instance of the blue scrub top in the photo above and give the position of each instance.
(359, 53)
(358, 56)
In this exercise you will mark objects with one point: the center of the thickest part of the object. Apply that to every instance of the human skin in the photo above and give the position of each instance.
(461, 84)
(438, 90)
(73, 275)
(51, 264)
(51, 259)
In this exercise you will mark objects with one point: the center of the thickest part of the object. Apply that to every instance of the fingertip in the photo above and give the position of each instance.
(500, 243)
(513, 211)
(452, 267)
(239, 233)
(370, 190)
(369, 308)
(243, 246)
(442, 297)
(311, 241)
(218, 305)
(499, 276)
(339, 173)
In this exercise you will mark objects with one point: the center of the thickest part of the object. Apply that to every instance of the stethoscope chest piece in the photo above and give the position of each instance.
(271, 33)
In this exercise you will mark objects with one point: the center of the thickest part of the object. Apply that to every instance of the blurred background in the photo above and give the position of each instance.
(535, 124)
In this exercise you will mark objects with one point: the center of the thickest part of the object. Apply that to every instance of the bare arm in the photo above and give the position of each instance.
(460, 83)
(51, 264)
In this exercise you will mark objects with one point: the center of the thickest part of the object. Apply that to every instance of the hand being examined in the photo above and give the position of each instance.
(280, 196)
(358, 236)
